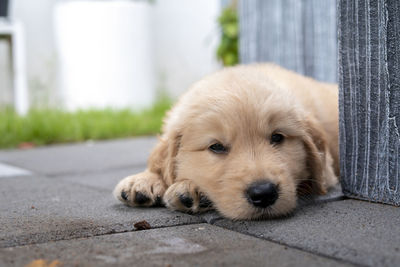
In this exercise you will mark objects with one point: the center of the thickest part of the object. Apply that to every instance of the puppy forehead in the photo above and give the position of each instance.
(247, 112)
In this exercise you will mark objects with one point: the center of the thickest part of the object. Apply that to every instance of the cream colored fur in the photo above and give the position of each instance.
(241, 107)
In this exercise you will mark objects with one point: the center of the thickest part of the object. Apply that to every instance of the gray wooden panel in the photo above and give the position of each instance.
(297, 34)
(369, 81)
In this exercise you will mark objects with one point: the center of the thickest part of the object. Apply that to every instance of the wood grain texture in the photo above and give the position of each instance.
(297, 34)
(369, 98)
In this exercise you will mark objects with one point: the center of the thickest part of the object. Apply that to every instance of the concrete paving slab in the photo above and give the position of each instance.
(35, 209)
(355, 231)
(191, 245)
(335, 193)
(105, 180)
(83, 157)
(108, 179)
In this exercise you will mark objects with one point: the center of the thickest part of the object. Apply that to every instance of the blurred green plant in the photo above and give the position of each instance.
(227, 50)
(49, 126)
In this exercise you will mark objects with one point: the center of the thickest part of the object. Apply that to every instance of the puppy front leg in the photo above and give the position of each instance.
(146, 188)
(185, 196)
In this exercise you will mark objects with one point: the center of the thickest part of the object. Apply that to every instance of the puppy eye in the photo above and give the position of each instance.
(218, 148)
(277, 139)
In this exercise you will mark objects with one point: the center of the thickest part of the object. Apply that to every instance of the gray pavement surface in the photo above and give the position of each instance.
(37, 210)
(62, 209)
(355, 231)
(191, 245)
(81, 158)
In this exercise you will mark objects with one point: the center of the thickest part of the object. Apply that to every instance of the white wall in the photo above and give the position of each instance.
(37, 17)
(184, 32)
(186, 39)
(106, 60)
(6, 96)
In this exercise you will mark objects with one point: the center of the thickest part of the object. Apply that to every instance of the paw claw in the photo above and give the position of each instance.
(124, 196)
(158, 202)
(185, 196)
(204, 202)
(186, 200)
(141, 198)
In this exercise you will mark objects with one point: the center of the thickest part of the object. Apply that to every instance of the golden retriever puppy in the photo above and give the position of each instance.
(246, 141)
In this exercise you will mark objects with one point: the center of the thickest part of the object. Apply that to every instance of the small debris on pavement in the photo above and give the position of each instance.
(142, 225)
(44, 263)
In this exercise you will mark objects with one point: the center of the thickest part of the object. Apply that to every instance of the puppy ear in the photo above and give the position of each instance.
(319, 160)
(162, 159)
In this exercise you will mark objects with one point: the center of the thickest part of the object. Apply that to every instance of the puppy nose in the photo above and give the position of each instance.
(262, 194)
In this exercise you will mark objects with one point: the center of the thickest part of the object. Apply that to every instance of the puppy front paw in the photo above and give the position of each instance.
(144, 189)
(186, 197)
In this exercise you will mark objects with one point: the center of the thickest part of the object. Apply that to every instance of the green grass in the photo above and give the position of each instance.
(50, 126)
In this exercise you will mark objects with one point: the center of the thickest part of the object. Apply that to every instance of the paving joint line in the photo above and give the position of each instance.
(87, 186)
(324, 201)
(86, 172)
(296, 247)
(111, 232)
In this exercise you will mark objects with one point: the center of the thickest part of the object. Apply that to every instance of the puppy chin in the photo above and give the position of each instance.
(279, 209)
(245, 211)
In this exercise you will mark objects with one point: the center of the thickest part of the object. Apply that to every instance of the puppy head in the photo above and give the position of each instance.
(248, 146)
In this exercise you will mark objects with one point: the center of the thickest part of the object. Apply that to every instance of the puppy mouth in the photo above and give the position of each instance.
(276, 211)
(266, 213)
(262, 199)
